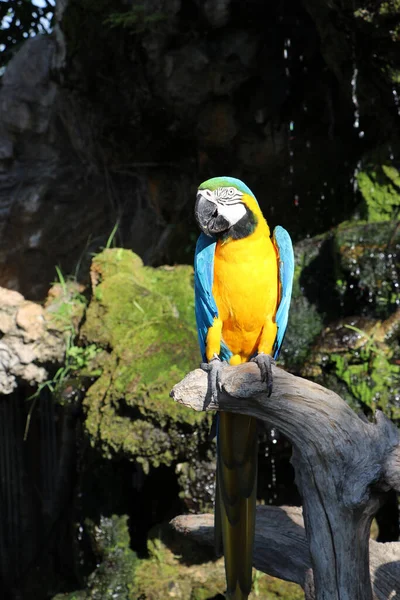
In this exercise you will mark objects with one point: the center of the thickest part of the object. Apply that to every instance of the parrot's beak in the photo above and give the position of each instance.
(206, 213)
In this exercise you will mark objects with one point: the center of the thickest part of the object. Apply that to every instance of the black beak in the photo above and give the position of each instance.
(207, 217)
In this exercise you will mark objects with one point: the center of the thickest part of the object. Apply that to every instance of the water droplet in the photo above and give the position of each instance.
(396, 100)
(354, 98)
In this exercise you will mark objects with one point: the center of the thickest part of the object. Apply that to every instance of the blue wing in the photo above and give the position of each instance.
(205, 307)
(283, 244)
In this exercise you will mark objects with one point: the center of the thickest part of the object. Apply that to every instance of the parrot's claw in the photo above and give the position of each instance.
(265, 362)
(214, 368)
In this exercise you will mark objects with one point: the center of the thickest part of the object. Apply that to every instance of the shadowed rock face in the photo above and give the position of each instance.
(49, 199)
(118, 116)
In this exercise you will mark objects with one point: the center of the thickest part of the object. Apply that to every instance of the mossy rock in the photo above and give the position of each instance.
(348, 277)
(379, 184)
(189, 572)
(175, 568)
(359, 358)
(305, 320)
(116, 563)
(144, 318)
(368, 267)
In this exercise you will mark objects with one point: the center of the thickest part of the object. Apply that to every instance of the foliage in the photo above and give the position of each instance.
(65, 310)
(378, 180)
(174, 567)
(136, 20)
(380, 188)
(189, 572)
(21, 19)
(77, 358)
(370, 375)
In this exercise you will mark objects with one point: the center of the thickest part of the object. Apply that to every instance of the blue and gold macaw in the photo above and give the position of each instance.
(243, 285)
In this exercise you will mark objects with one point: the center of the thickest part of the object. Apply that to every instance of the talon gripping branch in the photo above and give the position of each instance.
(243, 285)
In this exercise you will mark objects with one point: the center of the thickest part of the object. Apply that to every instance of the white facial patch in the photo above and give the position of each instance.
(232, 212)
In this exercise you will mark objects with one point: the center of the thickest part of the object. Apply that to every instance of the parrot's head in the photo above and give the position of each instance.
(226, 208)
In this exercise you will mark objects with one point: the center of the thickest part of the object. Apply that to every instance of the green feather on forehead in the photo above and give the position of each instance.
(218, 182)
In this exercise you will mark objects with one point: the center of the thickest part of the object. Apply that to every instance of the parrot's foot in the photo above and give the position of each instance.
(214, 368)
(265, 362)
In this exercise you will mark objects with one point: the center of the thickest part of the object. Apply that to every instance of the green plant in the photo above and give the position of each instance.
(77, 358)
(370, 373)
(111, 238)
(61, 279)
(138, 20)
(370, 346)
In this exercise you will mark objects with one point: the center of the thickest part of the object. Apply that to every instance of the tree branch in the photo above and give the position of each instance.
(281, 548)
(342, 463)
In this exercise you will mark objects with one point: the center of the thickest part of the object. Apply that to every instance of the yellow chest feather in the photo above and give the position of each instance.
(246, 291)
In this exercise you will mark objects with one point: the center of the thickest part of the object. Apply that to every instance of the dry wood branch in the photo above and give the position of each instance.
(342, 464)
(281, 548)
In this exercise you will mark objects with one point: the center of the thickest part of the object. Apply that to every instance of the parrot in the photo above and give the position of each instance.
(243, 284)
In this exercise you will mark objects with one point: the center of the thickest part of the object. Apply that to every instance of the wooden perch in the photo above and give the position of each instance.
(281, 549)
(342, 462)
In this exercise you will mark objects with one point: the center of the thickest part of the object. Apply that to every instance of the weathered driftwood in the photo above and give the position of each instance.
(343, 463)
(281, 549)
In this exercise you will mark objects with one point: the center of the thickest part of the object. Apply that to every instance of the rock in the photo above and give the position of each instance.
(30, 318)
(33, 338)
(379, 184)
(121, 575)
(352, 356)
(344, 319)
(217, 125)
(116, 562)
(200, 89)
(217, 13)
(144, 318)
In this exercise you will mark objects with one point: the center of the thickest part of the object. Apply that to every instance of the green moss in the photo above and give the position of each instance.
(379, 185)
(190, 573)
(358, 358)
(367, 267)
(269, 588)
(175, 567)
(114, 576)
(145, 318)
(370, 377)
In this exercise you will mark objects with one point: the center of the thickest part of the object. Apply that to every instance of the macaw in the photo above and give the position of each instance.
(243, 286)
